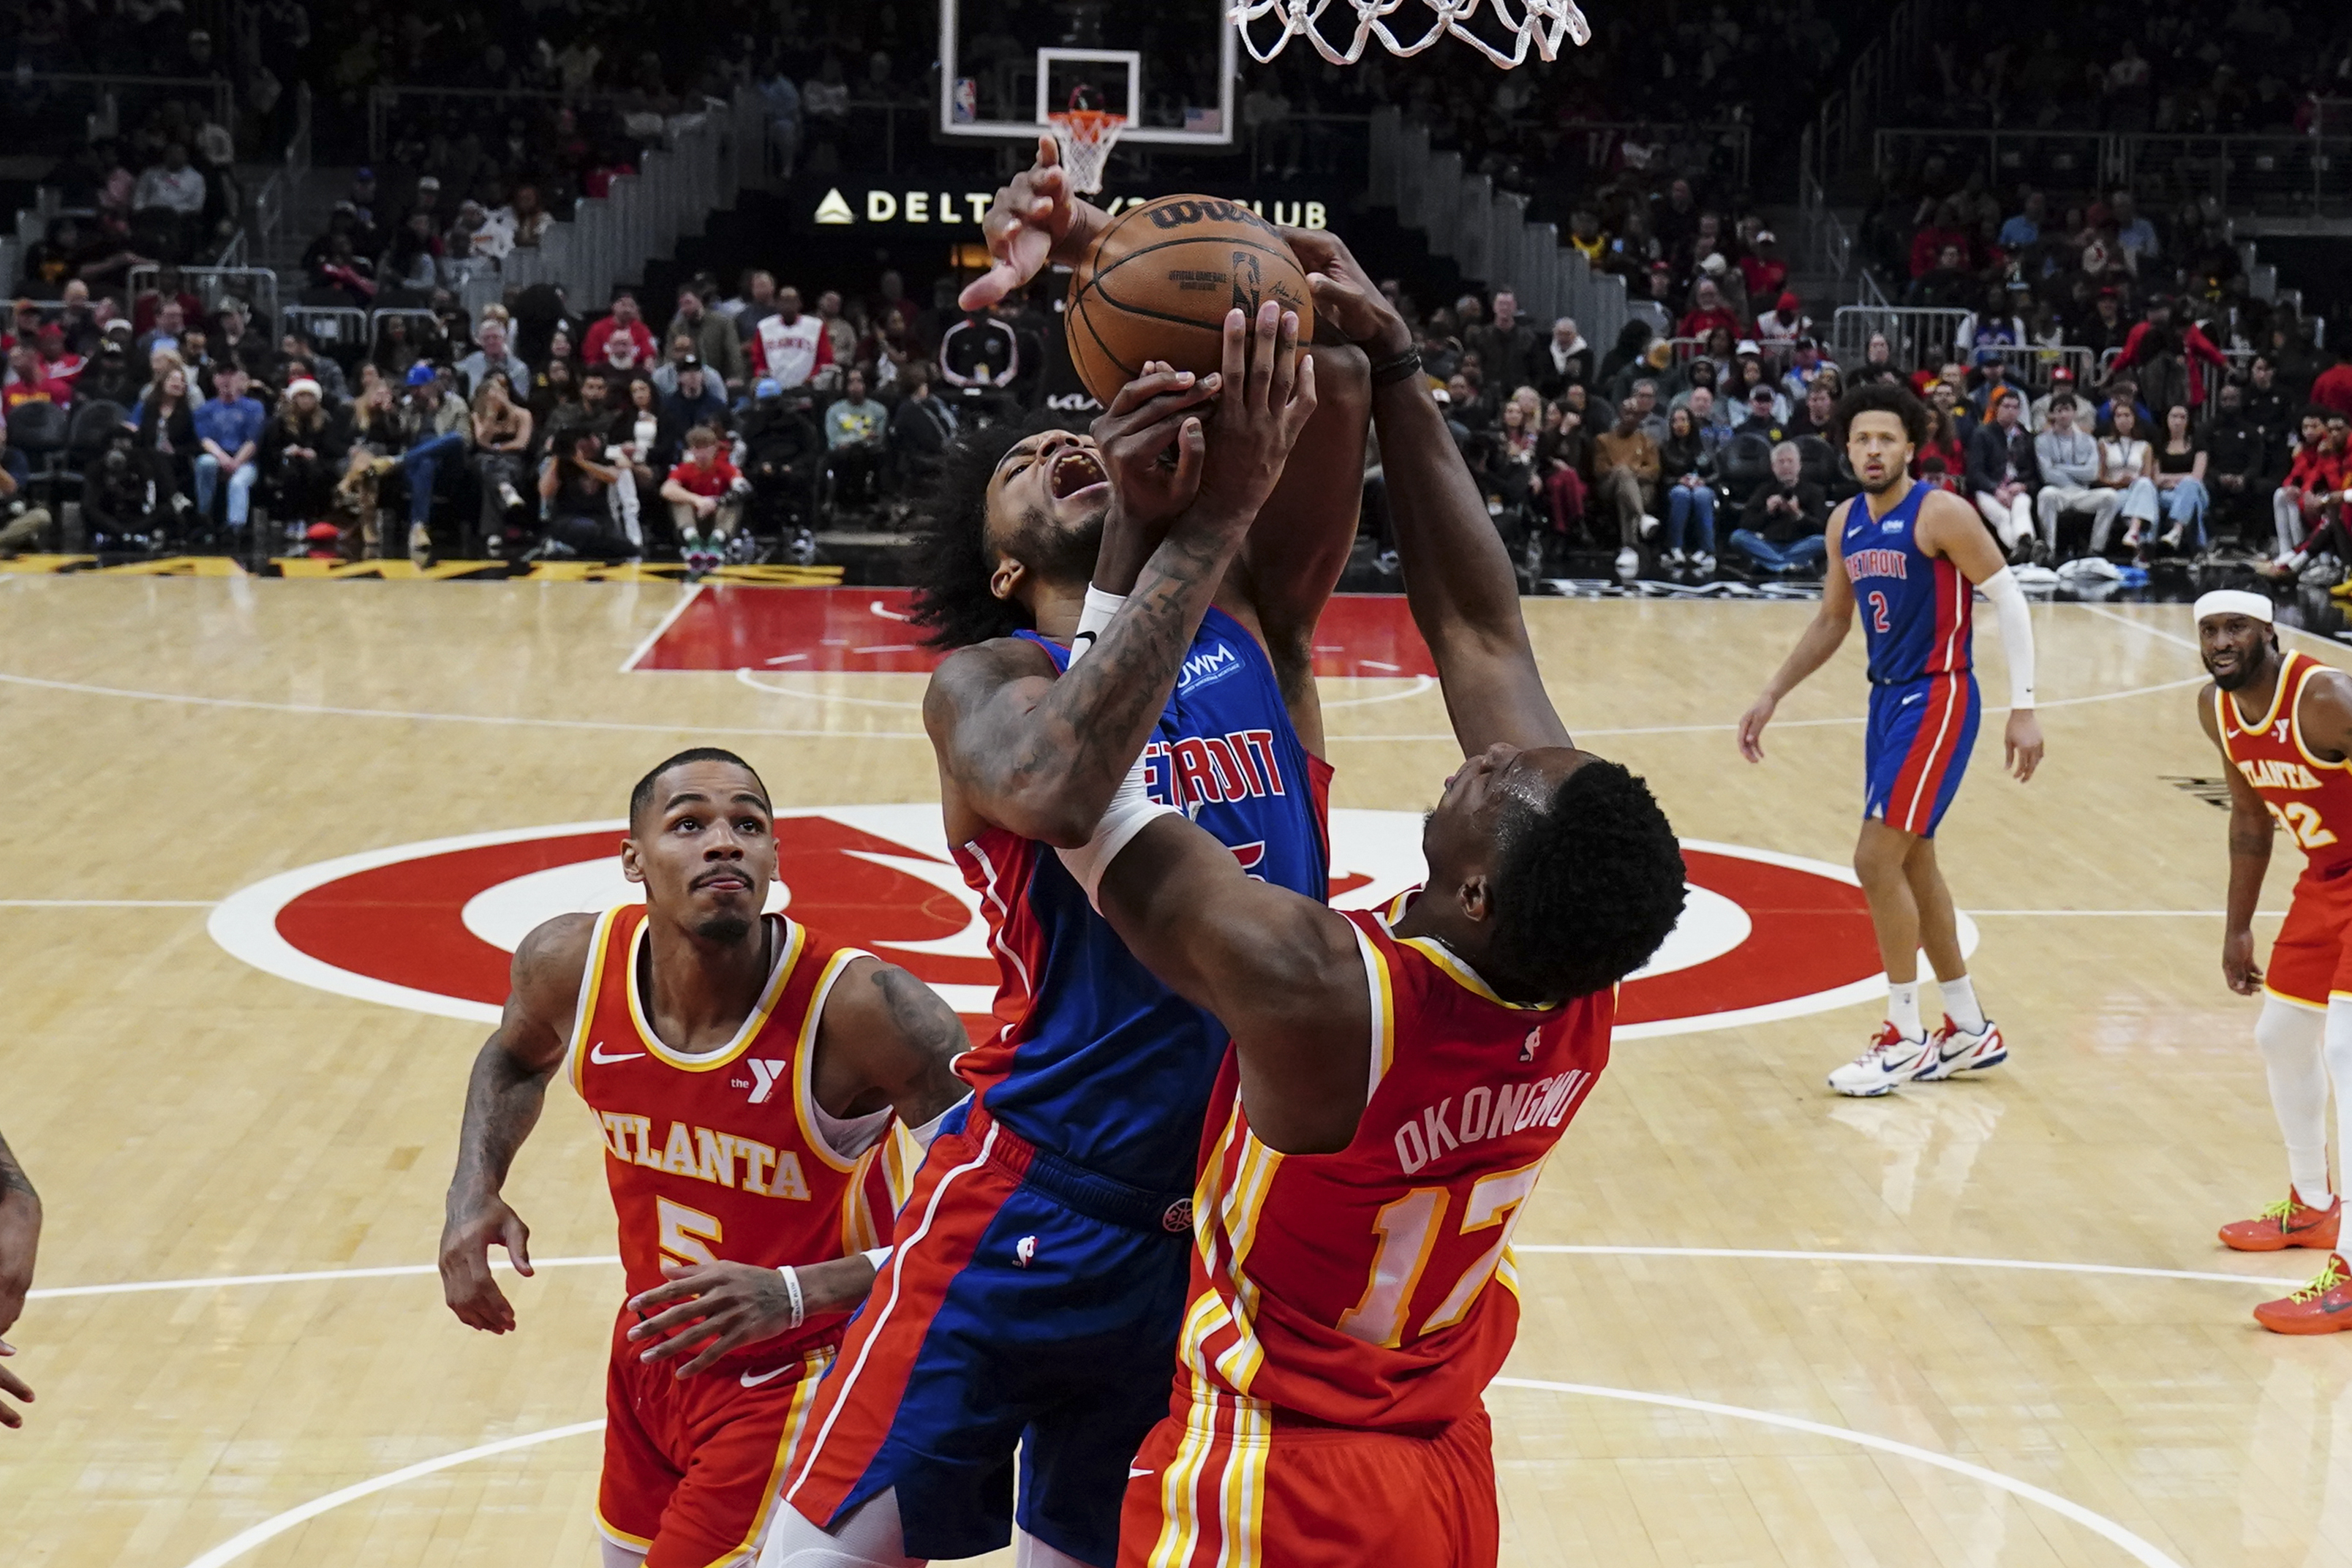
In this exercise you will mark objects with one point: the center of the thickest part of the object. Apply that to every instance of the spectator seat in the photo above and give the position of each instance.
(1820, 463)
(39, 430)
(1746, 462)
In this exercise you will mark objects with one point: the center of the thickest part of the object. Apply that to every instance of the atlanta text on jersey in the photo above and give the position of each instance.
(704, 1155)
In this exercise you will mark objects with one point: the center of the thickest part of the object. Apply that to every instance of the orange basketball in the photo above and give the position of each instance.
(1158, 282)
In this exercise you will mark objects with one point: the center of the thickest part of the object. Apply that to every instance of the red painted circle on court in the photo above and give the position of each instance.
(432, 925)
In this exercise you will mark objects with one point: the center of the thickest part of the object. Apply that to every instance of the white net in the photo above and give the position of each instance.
(1539, 23)
(1084, 138)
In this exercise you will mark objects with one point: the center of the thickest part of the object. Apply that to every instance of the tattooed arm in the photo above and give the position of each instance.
(20, 1237)
(884, 1039)
(1040, 756)
(503, 1104)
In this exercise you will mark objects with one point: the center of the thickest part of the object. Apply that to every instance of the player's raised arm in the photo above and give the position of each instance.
(1035, 219)
(1458, 577)
(1949, 527)
(1041, 756)
(885, 1038)
(1821, 637)
(1281, 972)
(1292, 559)
(503, 1097)
(20, 1238)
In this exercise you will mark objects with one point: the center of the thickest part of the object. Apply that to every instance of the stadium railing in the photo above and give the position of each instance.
(707, 159)
(256, 286)
(1912, 333)
(1487, 232)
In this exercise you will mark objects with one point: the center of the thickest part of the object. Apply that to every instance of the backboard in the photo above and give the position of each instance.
(1167, 66)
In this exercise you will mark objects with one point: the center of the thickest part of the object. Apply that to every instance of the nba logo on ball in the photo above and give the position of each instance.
(432, 927)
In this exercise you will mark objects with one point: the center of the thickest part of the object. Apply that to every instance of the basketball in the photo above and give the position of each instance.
(1158, 281)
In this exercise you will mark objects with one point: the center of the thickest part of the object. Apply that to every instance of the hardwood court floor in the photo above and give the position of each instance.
(1882, 1398)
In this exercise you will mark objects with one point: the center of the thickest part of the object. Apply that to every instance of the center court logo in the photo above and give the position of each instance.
(432, 926)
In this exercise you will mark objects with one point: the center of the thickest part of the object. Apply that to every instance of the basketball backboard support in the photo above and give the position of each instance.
(1167, 67)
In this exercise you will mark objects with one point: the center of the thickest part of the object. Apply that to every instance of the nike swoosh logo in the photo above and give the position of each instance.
(1132, 1472)
(753, 1380)
(596, 1054)
(1910, 699)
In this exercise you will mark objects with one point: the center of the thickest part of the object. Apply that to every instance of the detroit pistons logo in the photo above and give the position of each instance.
(432, 926)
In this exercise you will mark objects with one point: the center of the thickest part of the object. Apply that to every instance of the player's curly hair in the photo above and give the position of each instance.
(1587, 888)
(952, 560)
(1881, 397)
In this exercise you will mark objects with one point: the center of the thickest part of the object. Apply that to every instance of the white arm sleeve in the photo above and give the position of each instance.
(2016, 634)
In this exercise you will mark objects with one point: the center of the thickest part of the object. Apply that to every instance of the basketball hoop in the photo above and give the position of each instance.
(1542, 22)
(1084, 138)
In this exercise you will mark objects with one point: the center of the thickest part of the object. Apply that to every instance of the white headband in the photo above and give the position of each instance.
(2237, 602)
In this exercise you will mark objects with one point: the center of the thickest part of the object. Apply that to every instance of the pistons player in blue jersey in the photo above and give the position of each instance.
(1033, 1297)
(1911, 558)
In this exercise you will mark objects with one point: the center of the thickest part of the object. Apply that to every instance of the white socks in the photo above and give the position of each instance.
(1902, 1009)
(1960, 1004)
(2293, 1042)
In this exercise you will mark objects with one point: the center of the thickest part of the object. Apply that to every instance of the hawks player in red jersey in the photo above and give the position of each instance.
(744, 1074)
(2283, 722)
(1396, 1080)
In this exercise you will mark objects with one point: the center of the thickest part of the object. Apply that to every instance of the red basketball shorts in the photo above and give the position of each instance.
(692, 1465)
(1237, 1486)
(2311, 962)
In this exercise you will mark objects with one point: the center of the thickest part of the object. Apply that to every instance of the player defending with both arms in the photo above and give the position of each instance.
(1397, 1081)
(2283, 722)
(745, 1074)
(1911, 555)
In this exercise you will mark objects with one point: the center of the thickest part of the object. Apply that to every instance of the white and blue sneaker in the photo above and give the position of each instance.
(1894, 1059)
(1960, 1051)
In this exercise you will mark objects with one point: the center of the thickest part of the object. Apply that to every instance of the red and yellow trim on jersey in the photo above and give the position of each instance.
(1461, 974)
(1213, 1498)
(617, 1536)
(796, 942)
(1379, 988)
(804, 1063)
(592, 985)
(812, 1373)
(2292, 669)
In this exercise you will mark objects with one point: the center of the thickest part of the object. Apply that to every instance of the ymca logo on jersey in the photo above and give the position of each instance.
(770, 1074)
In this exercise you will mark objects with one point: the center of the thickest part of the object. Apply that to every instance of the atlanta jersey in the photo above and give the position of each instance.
(1370, 1293)
(1097, 1060)
(2311, 799)
(719, 1155)
(1917, 608)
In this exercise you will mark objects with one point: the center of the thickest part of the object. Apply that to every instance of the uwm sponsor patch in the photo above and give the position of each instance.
(432, 926)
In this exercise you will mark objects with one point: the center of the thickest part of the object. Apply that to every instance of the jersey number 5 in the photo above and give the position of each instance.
(1408, 1229)
(2301, 820)
(683, 1231)
(1878, 611)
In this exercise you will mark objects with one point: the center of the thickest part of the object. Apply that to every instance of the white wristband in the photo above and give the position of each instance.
(2016, 635)
(799, 1306)
(879, 1257)
(1130, 811)
(1100, 607)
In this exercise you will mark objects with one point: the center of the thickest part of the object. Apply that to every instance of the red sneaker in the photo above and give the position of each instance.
(2322, 1307)
(2289, 1223)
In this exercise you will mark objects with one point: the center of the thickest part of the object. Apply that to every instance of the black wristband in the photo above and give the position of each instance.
(1391, 371)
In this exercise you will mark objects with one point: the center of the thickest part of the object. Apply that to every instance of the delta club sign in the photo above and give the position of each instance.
(966, 208)
(432, 927)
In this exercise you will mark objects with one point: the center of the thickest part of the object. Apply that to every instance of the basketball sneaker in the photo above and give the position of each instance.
(2322, 1307)
(1959, 1051)
(1892, 1059)
(2289, 1222)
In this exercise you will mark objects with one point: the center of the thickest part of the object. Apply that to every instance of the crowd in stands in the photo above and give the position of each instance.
(728, 431)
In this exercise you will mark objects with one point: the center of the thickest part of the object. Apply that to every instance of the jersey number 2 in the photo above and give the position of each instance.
(1878, 611)
(1408, 1230)
(2301, 819)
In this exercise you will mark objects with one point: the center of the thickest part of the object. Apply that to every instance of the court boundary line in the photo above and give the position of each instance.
(748, 677)
(1949, 1261)
(106, 903)
(2099, 1525)
(646, 645)
(245, 1540)
(2096, 1523)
